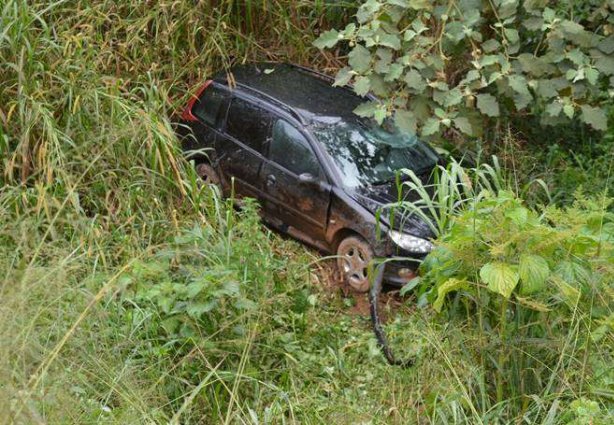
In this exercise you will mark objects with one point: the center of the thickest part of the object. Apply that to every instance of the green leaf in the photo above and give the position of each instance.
(367, 109)
(415, 81)
(523, 96)
(406, 121)
(343, 77)
(488, 105)
(327, 39)
(420, 4)
(390, 40)
(362, 86)
(592, 75)
(518, 215)
(453, 97)
(401, 3)
(380, 114)
(568, 110)
(595, 117)
(367, 10)
(431, 126)
(533, 271)
(512, 35)
(360, 59)
(500, 278)
(444, 289)
(554, 109)
(607, 45)
(394, 72)
(464, 125)
(490, 45)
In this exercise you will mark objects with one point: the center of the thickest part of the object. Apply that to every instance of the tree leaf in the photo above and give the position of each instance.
(366, 110)
(554, 109)
(360, 59)
(533, 271)
(405, 121)
(431, 126)
(415, 81)
(445, 288)
(464, 125)
(523, 96)
(343, 77)
(362, 85)
(595, 117)
(488, 105)
(500, 278)
(390, 40)
(327, 39)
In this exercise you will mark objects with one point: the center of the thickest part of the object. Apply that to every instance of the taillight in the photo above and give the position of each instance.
(187, 114)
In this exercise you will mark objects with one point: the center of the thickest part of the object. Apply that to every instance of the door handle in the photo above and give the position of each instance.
(270, 180)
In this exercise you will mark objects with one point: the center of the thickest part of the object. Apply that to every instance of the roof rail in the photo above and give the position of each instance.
(274, 101)
(319, 74)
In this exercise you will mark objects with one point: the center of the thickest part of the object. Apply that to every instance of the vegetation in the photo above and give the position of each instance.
(460, 65)
(131, 294)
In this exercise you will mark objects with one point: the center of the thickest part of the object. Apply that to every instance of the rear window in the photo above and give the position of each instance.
(209, 107)
(248, 123)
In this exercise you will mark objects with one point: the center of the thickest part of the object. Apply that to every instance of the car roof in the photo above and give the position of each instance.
(309, 94)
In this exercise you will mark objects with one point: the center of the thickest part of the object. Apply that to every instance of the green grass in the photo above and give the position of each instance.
(129, 294)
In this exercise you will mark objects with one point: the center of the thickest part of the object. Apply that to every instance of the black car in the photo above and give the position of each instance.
(284, 135)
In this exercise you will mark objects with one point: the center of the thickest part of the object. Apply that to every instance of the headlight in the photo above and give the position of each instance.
(410, 243)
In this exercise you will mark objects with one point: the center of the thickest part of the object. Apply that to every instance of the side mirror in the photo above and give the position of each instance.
(307, 178)
(311, 180)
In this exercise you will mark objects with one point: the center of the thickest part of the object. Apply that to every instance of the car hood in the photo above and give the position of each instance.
(379, 197)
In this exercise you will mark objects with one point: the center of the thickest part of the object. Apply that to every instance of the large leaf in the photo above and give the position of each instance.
(415, 81)
(445, 288)
(362, 86)
(488, 105)
(595, 117)
(405, 121)
(533, 271)
(343, 77)
(360, 59)
(501, 278)
(327, 39)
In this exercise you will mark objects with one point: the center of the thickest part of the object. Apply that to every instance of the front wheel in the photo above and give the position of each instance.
(353, 257)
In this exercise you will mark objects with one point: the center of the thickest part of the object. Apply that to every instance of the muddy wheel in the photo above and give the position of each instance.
(353, 257)
(208, 175)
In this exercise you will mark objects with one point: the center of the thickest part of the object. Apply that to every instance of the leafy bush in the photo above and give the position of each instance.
(537, 286)
(461, 65)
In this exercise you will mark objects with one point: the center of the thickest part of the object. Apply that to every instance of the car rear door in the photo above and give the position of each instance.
(296, 187)
(241, 146)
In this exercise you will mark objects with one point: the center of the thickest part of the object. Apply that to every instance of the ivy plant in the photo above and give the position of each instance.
(459, 64)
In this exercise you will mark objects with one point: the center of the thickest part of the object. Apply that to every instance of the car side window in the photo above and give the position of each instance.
(248, 123)
(209, 108)
(291, 150)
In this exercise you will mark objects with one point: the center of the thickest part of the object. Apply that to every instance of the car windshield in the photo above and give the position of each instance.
(368, 154)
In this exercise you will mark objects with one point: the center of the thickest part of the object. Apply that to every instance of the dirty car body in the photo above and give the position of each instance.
(284, 135)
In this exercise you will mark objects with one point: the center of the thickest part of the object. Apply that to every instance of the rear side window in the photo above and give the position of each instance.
(248, 123)
(209, 107)
(291, 150)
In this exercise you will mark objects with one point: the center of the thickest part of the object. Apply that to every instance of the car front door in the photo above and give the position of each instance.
(296, 187)
(240, 147)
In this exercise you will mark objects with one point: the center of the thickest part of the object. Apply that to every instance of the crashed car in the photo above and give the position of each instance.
(284, 135)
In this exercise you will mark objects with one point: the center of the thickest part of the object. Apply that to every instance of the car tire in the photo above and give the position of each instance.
(353, 257)
(208, 175)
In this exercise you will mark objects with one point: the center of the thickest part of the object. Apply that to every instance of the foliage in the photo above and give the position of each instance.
(460, 65)
(529, 282)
